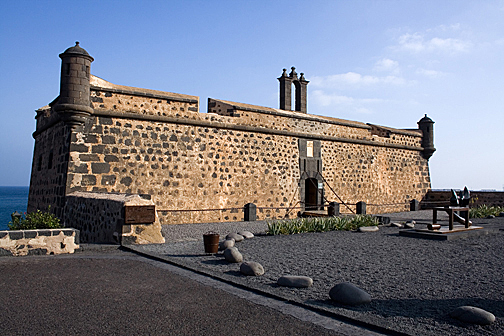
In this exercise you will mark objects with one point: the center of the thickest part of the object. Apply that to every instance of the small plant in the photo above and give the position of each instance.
(35, 220)
(484, 210)
(300, 225)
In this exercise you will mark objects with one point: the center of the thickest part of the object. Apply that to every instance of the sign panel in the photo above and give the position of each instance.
(139, 214)
(309, 148)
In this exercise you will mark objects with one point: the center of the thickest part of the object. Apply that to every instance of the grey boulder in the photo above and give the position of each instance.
(295, 281)
(396, 224)
(232, 255)
(368, 229)
(349, 294)
(251, 268)
(409, 225)
(473, 315)
(246, 234)
(238, 238)
(225, 244)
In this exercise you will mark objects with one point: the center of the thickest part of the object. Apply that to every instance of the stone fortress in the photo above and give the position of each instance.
(101, 147)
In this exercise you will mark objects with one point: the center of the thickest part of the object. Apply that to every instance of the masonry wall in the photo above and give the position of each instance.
(49, 165)
(38, 242)
(150, 142)
(185, 167)
(204, 161)
(382, 177)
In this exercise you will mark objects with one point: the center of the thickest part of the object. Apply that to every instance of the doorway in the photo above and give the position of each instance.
(311, 194)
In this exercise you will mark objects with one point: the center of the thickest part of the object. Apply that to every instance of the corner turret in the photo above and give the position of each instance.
(73, 104)
(426, 125)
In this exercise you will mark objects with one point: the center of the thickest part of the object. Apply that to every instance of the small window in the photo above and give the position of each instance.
(50, 161)
(39, 164)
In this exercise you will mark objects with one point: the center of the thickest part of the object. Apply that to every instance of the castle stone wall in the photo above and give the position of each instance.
(382, 177)
(204, 167)
(49, 166)
(193, 163)
(185, 167)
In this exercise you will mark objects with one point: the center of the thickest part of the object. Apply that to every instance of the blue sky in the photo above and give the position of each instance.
(382, 62)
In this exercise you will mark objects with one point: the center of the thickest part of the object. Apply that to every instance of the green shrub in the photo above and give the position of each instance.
(35, 220)
(484, 210)
(323, 224)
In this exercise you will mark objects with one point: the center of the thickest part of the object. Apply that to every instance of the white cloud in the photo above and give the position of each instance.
(348, 104)
(430, 73)
(444, 28)
(355, 79)
(373, 100)
(411, 42)
(323, 99)
(386, 64)
(417, 43)
(391, 74)
(449, 44)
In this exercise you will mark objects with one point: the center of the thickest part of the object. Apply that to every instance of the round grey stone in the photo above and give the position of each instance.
(226, 244)
(409, 225)
(368, 229)
(251, 268)
(396, 225)
(473, 315)
(349, 294)
(232, 255)
(295, 281)
(490, 216)
(501, 214)
(246, 234)
(238, 238)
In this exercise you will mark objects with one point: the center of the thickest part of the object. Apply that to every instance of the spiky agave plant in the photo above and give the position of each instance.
(484, 210)
(300, 225)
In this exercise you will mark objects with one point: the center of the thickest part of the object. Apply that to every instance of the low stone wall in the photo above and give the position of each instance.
(102, 218)
(442, 197)
(32, 242)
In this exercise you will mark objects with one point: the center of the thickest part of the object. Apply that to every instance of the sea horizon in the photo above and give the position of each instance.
(12, 198)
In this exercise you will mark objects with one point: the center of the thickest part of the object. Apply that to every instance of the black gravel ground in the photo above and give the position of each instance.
(414, 283)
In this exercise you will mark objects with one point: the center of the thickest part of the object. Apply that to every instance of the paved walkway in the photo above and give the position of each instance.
(107, 291)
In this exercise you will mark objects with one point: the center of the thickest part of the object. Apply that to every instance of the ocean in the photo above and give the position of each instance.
(12, 199)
